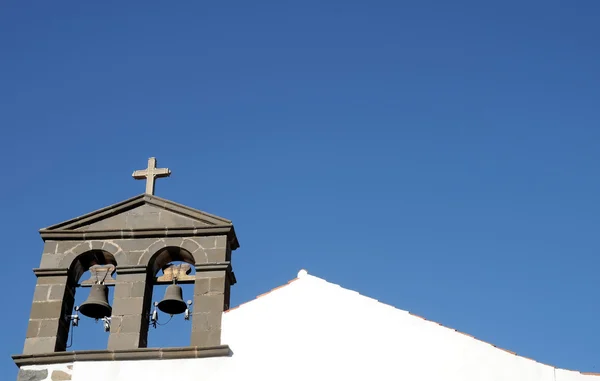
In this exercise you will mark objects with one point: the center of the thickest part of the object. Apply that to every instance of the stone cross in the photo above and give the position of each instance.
(151, 174)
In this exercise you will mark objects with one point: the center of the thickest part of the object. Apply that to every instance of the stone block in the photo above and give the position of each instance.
(51, 260)
(49, 327)
(66, 246)
(154, 247)
(111, 247)
(134, 257)
(124, 258)
(115, 324)
(215, 255)
(58, 279)
(138, 289)
(201, 286)
(217, 285)
(209, 303)
(128, 306)
(122, 290)
(50, 247)
(57, 292)
(203, 321)
(206, 338)
(130, 324)
(33, 328)
(200, 256)
(32, 375)
(46, 310)
(190, 245)
(95, 244)
(206, 242)
(172, 220)
(172, 241)
(41, 292)
(39, 345)
(221, 241)
(127, 245)
(59, 375)
(123, 341)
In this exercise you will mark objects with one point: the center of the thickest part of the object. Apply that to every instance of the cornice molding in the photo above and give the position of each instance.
(123, 355)
(76, 235)
(219, 266)
(51, 272)
(141, 269)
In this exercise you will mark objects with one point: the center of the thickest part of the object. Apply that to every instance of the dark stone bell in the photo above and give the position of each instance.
(173, 303)
(96, 306)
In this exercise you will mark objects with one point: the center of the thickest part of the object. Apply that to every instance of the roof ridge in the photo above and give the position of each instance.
(462, 333)
(261, 295)
(303, 273)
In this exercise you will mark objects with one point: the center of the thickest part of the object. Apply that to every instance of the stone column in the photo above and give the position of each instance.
(131, 308)
(53, 301)
(211, 289)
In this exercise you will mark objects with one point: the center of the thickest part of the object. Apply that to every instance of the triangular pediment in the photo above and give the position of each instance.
(143, 213)
(146, 216)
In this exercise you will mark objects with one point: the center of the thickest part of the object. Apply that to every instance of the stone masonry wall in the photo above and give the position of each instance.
(133, 252)
(55, 372)
(48, 329)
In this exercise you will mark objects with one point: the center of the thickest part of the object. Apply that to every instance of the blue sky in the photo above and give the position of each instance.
(439, 156)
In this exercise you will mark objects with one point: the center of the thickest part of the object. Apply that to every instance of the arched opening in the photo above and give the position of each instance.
(89, 268)
(171, 265)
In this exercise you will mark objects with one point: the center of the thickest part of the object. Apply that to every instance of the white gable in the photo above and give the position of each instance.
(315, 330)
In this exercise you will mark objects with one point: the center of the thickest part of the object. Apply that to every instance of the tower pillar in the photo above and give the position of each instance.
(53, 299)
(211, 298)
(131, 303)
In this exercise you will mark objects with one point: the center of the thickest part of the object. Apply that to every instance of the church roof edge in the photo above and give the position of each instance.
(303, 274)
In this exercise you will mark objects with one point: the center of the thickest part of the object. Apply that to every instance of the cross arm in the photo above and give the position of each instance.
(161, 172)
(140, 174)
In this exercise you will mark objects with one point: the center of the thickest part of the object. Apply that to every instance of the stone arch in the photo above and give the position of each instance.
(191, 246)
(83, 248)
(82, 262)
(158, 261)
(166, 255)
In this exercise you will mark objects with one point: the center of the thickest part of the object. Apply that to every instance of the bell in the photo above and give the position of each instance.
(173, 303)
(96, 306)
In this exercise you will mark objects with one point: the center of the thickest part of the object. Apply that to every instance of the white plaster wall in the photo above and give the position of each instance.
(312, 329)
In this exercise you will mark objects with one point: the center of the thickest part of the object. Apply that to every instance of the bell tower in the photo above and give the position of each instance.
(135, 239)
